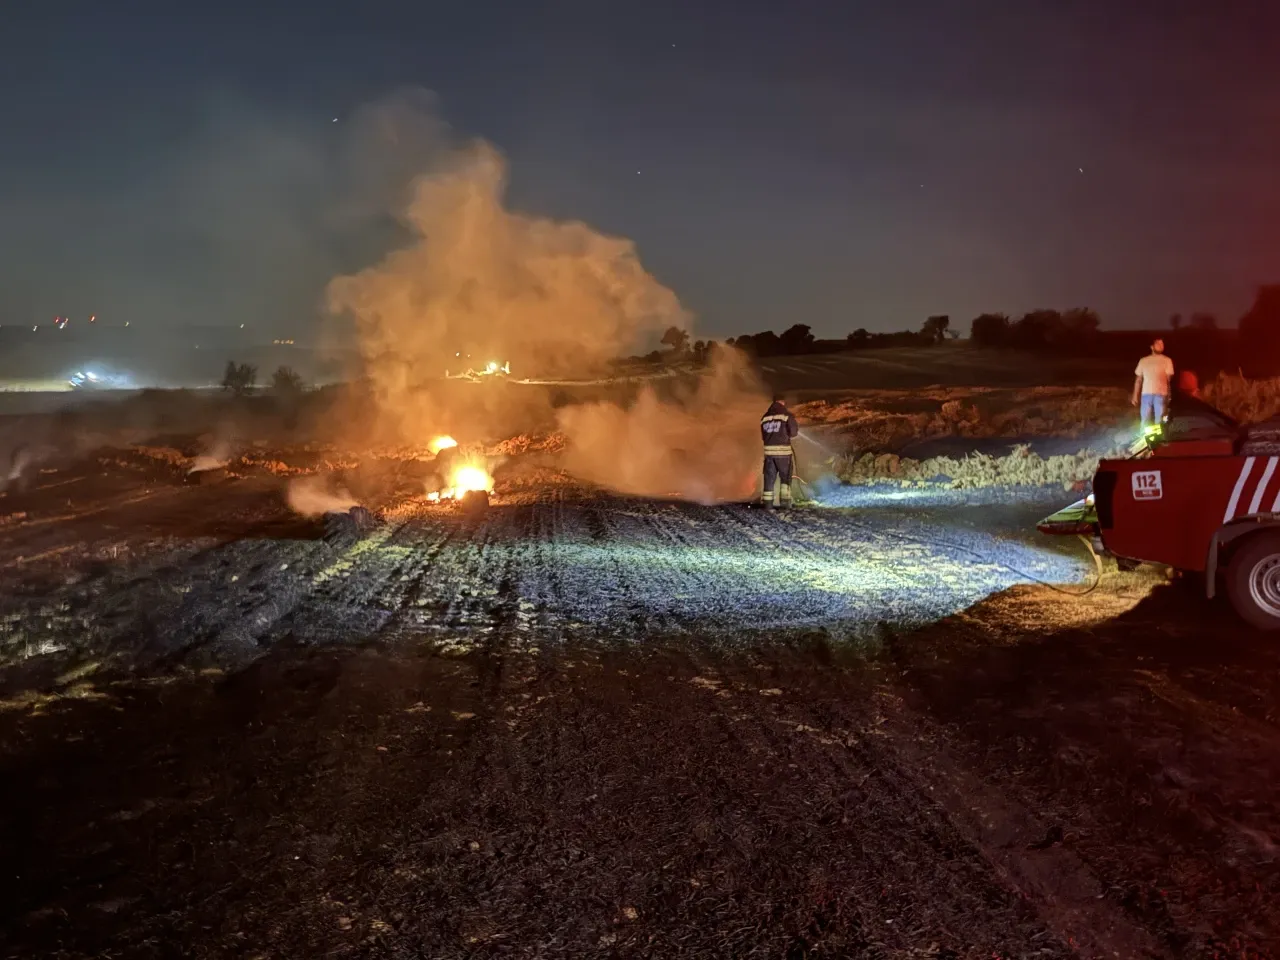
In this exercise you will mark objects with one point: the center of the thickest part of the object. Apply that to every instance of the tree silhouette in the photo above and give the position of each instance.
(990, 330)
(1037, 329)
(676, 339)
(1260, 334)
(1175, 322)
(286, 381)
(1078, 323)
(1203, 321)
(766, 344)
(858, 338)
(796, 339)
(239, 378)
(935, 328)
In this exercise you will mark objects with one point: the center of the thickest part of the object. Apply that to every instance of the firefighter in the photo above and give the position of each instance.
(778, 427)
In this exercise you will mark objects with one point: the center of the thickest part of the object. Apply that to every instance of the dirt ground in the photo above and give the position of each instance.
(574, 725)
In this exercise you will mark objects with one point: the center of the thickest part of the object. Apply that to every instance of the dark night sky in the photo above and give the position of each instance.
(840, 164)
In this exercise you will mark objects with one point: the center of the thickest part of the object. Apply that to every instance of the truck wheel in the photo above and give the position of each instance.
(1253, 582)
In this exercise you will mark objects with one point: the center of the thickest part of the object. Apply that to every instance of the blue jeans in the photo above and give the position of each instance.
(1152, 408)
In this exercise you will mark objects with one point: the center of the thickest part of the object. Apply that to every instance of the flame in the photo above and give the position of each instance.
(490, 369)
(463, 479)
(442, 443)
(470, 477)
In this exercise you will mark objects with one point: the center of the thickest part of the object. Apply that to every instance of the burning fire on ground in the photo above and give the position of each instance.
(492, 369)
(465, 476)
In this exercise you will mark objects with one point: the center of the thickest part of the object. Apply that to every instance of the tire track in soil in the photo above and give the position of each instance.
(802, 551)
(292, 585)
(1164, 850)
(367, 590)
(959, 818)
(747, 838)
(540, 587)
(205, 606)
(688, 582)
(905, 756)
(623, 534)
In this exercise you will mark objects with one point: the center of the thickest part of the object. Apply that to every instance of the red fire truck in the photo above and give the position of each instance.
(1200, 494)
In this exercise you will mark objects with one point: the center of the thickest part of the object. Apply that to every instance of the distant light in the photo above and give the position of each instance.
(242, 326)
(35, 328)
(126, 323)
(93, 318)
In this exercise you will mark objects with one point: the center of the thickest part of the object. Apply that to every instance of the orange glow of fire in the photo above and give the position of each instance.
(462, 480)
(442, 443)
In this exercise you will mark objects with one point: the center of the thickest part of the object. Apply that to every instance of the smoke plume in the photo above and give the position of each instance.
(480, 282)
(311, 497)
(488, 283)
(699, 444)
(217, 454)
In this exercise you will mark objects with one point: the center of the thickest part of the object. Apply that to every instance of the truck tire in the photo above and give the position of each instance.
(1253, 581)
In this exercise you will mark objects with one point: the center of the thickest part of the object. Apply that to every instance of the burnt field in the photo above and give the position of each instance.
(581, 725)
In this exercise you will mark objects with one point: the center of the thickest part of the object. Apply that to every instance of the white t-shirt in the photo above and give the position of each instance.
(1156, 370)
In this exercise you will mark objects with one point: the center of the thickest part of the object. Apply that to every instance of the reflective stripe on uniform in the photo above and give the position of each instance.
(777, 451)
(775, 416)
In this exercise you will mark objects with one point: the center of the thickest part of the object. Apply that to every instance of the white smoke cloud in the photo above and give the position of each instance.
(312, 496)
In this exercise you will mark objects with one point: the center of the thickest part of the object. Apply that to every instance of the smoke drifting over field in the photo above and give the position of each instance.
(699, 445)
(555, 299)
(312, 496)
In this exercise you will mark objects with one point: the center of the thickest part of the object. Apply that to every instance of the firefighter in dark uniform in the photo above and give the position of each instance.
(778, 427)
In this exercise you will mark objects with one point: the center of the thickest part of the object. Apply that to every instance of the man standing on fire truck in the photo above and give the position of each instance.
(778, 427)
(1152, 379)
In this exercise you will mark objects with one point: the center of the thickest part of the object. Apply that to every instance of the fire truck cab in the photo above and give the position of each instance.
(1201, 494)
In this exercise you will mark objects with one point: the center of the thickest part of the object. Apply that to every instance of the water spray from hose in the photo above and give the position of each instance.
(821, 446)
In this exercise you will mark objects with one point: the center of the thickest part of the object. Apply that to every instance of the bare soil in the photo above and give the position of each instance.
(574, 725)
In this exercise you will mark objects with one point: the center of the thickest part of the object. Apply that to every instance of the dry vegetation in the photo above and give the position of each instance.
(1022, 468)
(1248, 401)
(885, 420)
(875, 425)
(872, 431)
